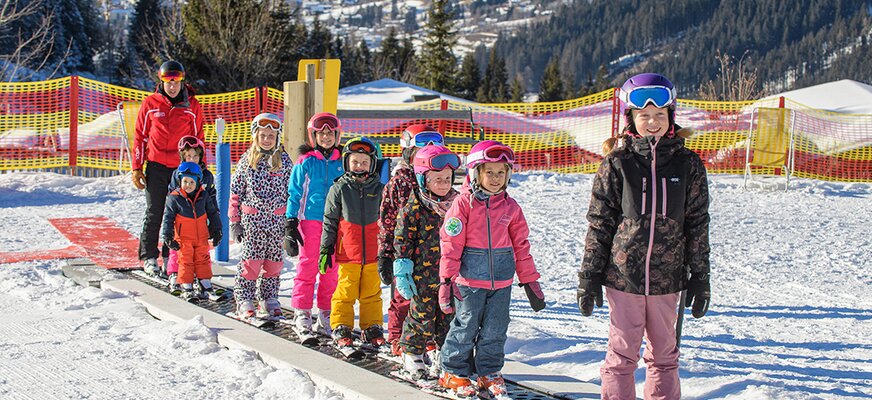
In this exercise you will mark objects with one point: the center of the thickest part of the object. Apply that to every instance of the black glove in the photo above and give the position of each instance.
(216, 237)
(386, 270)
(293, 240)
(590, 292)
(172, 244)
(534, 295)
(325, 262)
(236, 232)
(699, 292)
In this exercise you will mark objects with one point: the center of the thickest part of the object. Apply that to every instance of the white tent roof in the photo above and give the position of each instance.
(844, 96)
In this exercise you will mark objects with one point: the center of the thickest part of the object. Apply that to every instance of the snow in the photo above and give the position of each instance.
(790, 318)
(844, 96)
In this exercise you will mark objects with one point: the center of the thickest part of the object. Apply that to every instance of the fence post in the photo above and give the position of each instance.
(616, 111)
(74, 123)
(443, 105)
(258, 101)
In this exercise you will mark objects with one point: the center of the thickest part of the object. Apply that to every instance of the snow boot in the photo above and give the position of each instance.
(373, 335)
(460, 385)
(322, 324)
(413, 364)
(494, 384)
(303, 320)
(343, 336)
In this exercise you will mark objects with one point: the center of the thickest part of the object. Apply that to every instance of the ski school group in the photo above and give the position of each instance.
(449, 255)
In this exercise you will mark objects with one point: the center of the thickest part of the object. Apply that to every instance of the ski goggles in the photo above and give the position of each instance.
(442, 161)
(191, 142)
(172, 76)
(360, 146)
(325, 122)
(641, 96)
(425, 138)
(495, 153)
(269, 123)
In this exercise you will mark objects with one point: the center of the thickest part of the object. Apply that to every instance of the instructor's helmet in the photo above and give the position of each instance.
(171, 71)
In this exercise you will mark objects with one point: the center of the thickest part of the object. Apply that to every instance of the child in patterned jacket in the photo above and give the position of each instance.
(258, 199)
(484, 244)
(416, 240)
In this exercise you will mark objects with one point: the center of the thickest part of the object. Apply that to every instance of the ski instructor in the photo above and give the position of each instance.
(167, 115)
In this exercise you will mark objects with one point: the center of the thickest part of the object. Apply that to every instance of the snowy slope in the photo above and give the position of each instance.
(791, 315)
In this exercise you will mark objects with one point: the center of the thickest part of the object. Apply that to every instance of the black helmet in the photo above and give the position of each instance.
(171, 71)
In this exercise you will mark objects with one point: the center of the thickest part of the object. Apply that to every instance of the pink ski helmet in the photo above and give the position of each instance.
(488, 151)
(319, 122)
(434, 158)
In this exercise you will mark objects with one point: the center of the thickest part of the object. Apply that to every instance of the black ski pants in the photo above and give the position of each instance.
(157, 180)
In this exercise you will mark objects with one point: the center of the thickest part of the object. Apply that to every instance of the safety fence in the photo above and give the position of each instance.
(80, 123)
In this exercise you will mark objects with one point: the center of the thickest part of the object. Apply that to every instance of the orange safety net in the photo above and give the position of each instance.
(83, 123)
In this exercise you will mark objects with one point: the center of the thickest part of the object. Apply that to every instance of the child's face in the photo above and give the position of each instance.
(191, 155)
(188, 184)
(359, 162)
(439, 182)
(651, 121)
(325, 138)
(492, 176)
(266, 137)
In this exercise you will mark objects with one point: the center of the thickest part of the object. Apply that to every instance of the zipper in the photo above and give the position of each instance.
(644, 193)
(664, 195)
(653, 216)
(194, 210)
(362, 226)
(490, 244)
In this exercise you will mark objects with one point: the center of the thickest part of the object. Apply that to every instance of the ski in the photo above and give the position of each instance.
(305, 337)
(253, 321)
(350, 351)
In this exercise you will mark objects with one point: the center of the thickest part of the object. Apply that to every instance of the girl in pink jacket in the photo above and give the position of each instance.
(484, 244)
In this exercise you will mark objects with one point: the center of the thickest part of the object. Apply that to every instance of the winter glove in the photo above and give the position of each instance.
(138, 179)
(325, 263)
(590, 292)
(236, 232)
(699, 292)
(534, 295)
(293, 239)
(386, 270)
(216, 237)
(403, 268)
(447, 292)
(172, 244)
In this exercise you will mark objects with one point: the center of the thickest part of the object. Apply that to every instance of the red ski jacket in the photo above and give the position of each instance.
(160, 125)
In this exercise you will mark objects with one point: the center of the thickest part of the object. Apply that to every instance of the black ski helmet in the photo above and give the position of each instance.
(171, 71)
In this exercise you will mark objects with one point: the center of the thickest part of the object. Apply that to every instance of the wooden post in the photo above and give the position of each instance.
(295, 117)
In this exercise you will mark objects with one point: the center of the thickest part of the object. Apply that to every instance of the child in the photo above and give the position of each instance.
(350, 229)
(395, 196)
(191, 149)
(258, 199)
(186, 229)
(484, 243)
(318, 166)
(648, 220)
(417, 265)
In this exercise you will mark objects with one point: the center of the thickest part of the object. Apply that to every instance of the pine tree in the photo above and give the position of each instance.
(410, 23)
(437, 62)
(469, 78)
(387, 60)
(517, 90)
(551, 85)
(493, 88)
(146, 22)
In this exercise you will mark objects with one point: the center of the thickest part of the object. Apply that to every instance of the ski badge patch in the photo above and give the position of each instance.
(453, 226)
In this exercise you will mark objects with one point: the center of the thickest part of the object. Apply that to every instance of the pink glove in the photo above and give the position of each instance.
(447, 290)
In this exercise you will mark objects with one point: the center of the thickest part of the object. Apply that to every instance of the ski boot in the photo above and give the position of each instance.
(272, 308)
(188, 294)
(322, 323)
(494, 384)
(150, 267)
(413, 364)
(173, 286)
(432, 360)
(396, 349)
(245, 309)
(302, 320)
(343, 336)
(373, 335)
(460, 385)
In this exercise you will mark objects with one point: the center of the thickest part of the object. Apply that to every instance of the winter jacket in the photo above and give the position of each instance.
(395, 196)
(484, 242)
(350, 216)
(208, 184)
(648, 217)
(311, 178)
(190, 218)
(416, 235)
(160, 125)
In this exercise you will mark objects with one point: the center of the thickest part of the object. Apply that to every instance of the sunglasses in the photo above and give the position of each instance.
(640, 97)
(172, 76)
(444, 160)
(426, 138)
(494, 153)
(326, 122)
(192, 142)
(269, 123)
